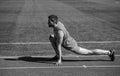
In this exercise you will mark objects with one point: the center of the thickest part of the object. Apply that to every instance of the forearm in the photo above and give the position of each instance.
(60, 51)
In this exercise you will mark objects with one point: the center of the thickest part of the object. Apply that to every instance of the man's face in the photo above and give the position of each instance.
(50, 23)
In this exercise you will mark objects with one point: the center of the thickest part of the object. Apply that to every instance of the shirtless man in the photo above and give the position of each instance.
(61, 37)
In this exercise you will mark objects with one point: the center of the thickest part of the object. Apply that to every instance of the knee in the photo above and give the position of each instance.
(75, 49)
(51, 37)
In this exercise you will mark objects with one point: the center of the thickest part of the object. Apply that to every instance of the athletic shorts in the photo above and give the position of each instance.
(68, 44)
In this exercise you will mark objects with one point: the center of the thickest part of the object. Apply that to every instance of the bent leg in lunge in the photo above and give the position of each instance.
(53, 43)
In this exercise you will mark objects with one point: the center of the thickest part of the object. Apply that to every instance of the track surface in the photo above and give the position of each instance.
(72, 66)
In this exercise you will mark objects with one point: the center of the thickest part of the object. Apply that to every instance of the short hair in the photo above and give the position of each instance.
(54, 18)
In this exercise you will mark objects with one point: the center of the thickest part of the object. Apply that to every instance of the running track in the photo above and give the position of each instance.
(72, 66)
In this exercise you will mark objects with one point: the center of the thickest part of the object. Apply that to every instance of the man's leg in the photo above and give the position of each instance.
(58, 56)
(53, 43)
(83, 51)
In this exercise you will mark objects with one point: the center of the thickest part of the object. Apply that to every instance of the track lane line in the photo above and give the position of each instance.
(30, 43)
(58, 67)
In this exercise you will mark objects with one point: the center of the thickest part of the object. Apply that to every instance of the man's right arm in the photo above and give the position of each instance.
(59, 44)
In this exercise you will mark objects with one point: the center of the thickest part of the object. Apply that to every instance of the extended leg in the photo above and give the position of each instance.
(83, 51)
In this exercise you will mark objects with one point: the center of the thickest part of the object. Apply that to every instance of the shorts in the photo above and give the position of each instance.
(68, 44)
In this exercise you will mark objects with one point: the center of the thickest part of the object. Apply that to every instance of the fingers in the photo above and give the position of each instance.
(58, 63)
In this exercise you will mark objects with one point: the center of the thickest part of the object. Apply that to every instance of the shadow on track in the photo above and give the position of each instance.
(49, 60)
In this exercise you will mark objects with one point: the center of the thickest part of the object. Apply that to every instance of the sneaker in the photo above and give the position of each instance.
(112, 55)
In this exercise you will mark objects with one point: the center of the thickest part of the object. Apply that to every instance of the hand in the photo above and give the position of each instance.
(58, 63)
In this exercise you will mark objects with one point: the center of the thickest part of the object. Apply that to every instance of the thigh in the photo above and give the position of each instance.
(85, 51)
(81, 51)
(71, 47)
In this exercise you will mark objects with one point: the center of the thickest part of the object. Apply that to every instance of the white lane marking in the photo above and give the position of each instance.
(24, 43)
(30, 43)
(2, 57)
(57, 67)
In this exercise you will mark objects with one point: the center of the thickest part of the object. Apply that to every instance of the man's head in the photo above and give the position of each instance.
(52, 20)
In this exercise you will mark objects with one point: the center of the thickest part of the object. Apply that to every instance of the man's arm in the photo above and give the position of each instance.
(59, 44)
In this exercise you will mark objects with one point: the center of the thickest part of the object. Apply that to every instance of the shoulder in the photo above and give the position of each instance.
(60, 33)
(60, 26)
(60, 23)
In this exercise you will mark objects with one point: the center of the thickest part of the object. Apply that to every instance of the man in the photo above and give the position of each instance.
(61, 37)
